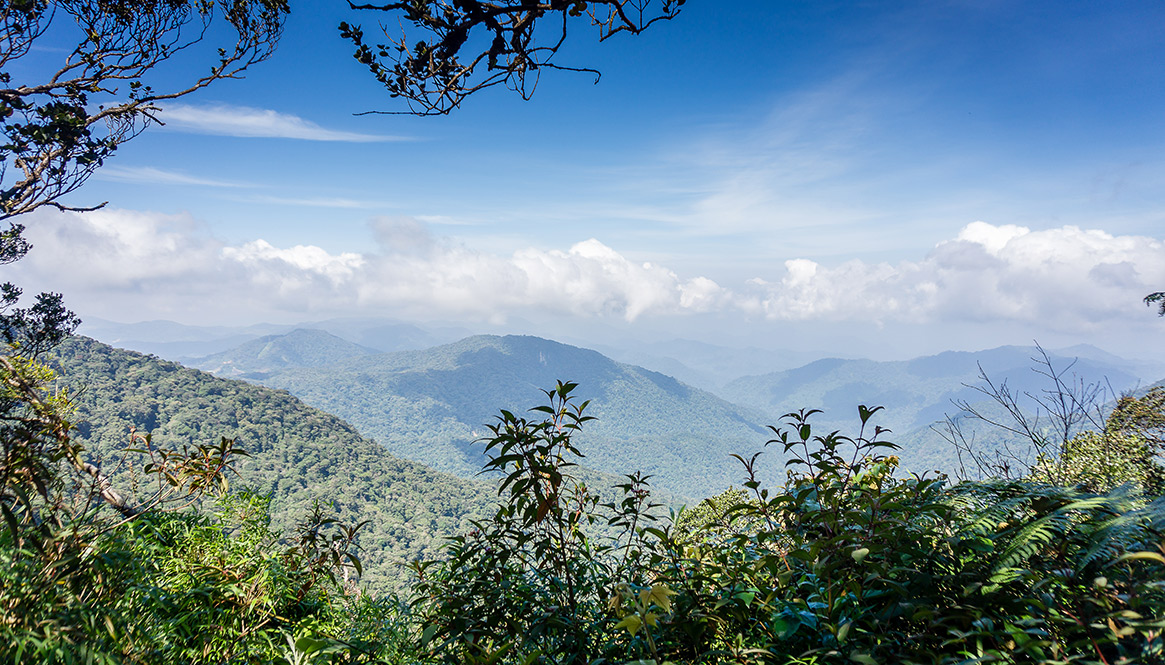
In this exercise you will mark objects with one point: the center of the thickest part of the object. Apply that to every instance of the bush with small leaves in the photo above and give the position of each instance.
(89, 575)
(533, 582)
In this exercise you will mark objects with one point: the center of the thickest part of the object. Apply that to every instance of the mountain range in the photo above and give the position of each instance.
(302, 347)
(431, 404)
(918, 392)
(393, 437)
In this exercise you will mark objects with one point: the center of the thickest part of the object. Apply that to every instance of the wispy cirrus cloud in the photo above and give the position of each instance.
(249, 122)
(155, 176)
(316, 202)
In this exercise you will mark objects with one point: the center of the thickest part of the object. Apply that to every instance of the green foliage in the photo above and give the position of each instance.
(710, 519)
(852, 564)
(60, 123)
(1157, 298)
(214, 589)
(1055, 571)
(826, 569)
(847, 562)
(34, 329)
(170, 588)
(1142, 416)
(1101, 461)
(295, 454)
(532, 581)
(1125, 450)
(90, 576)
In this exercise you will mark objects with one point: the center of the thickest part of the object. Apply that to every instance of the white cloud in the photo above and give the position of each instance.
(151, 175)
(1060, 279)
(244, 121)
(113, 249)
(993, 238)
(317, 202)
(301, 259)
(161, 263)
(590, 279)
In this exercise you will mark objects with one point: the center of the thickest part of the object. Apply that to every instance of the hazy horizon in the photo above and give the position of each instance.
(163, 332)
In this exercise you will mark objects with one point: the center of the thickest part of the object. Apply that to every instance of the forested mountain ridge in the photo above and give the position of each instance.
(301, 347)
(706, 366)
(919, 394)
(430, 405)
(189, 344)
(297, 453)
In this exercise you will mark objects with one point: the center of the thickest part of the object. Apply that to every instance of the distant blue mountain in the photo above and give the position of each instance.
(915, 392)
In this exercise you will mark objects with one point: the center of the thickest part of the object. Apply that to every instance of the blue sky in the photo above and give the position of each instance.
(873, 177)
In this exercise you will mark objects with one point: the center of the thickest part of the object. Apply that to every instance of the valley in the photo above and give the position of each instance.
(429, 402)
(393, 437)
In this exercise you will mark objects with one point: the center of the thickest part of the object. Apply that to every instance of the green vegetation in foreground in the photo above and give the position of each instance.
(297, 455)
(846, 563)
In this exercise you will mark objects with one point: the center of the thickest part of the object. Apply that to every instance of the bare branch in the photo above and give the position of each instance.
(1047, 421)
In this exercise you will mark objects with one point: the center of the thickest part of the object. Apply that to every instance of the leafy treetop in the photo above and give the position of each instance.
(59, 125)
(1159, 298)
(476, 44)
(57, 130)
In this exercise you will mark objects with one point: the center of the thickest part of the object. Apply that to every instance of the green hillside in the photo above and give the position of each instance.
(298, 348)
(297, 453)
(430, 405)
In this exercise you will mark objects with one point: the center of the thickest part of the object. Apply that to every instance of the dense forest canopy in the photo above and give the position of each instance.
(296, 455)
(732, 579)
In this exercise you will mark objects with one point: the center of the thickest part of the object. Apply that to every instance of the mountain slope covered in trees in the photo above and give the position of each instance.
(299, 348)
(430, 405)
(298, 454)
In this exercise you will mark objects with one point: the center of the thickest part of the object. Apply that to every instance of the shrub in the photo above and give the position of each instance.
(532, 583)
(88, 576)
(847, 562)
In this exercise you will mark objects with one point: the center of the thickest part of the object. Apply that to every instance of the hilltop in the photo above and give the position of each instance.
(430, 405)
(299, 348)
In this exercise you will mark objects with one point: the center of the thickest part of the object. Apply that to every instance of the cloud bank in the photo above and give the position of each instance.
(1063, 278)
